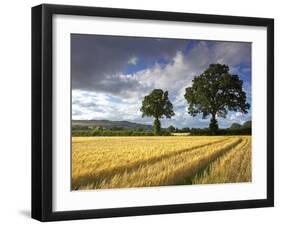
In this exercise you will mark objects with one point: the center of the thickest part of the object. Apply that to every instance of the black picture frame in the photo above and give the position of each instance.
(42, 111)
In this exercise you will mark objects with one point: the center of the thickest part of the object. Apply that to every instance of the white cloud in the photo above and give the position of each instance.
(133, 60)
(91, 105)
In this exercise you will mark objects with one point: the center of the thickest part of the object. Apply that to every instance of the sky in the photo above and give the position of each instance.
(112, 74)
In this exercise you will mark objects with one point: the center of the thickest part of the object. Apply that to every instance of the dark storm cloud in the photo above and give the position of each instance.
(97, 60)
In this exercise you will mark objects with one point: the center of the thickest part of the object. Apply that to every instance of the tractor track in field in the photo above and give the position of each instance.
(96, 178)
(188, 179)
(229, 155)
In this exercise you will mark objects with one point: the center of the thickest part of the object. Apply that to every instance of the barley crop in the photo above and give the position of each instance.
(117, 162)
(235, 166)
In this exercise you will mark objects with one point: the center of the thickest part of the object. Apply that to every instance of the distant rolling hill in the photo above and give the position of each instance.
(107, 124)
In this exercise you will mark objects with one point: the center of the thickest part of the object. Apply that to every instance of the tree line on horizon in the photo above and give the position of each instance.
(83, 130)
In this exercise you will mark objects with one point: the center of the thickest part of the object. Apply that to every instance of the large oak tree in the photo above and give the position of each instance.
(157, 105)
(215, 92)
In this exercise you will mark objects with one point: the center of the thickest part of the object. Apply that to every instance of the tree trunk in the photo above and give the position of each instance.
(213, 125)
(156, 126)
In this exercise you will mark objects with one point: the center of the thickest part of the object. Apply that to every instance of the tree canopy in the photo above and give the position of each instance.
(247, 124)
(235, 126)
(157, 105)
(171, 129)
(215, 92)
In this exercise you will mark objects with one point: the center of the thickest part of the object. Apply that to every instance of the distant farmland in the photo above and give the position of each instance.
(118, 162)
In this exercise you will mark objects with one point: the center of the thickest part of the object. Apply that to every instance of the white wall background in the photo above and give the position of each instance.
(15, 104)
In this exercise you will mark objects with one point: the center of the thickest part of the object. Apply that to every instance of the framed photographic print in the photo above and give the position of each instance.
(146, 112)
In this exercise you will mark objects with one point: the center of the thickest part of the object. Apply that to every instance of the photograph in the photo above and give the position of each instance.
(149, 112)
(144, 112)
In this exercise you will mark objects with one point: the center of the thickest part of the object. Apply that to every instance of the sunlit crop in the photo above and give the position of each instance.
(117, 162)
(234, 166)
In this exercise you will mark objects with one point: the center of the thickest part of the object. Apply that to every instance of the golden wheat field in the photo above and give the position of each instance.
(120, 162)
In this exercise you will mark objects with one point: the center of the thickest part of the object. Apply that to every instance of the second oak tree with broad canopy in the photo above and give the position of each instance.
(214, 92)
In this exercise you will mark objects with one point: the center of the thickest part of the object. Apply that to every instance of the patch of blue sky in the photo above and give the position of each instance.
(244, 71)
(190, 44)
(115, 100)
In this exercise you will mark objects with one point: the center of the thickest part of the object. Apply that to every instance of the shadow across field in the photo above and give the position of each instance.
(106, 175)
(207, 170)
